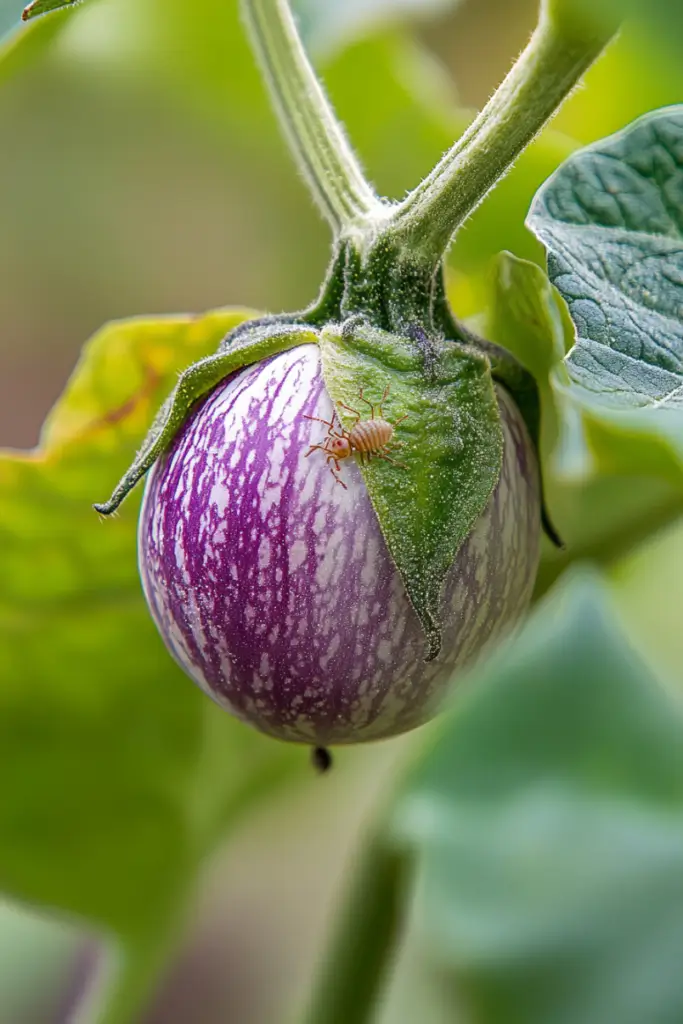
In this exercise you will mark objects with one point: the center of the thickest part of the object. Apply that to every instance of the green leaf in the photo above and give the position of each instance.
(20, 48)
(602, 496)
(611, 219)
(612, 222)
(450, 454)
(528, 318)
(38, 7)
(508, 370)
(123, 775)
(525, 313)
(248, 345)
(546, 824)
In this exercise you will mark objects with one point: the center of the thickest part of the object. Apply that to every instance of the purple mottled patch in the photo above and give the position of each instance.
(272, 586)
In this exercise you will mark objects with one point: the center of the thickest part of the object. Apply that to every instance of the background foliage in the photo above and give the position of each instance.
(144, 172)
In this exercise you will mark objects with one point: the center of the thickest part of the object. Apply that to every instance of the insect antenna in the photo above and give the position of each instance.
(317, 419)
(315, 448)
(367, 402)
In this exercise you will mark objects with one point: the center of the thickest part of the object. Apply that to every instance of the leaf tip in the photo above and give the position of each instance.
(33, 9)
(433, 638)
(37, 7)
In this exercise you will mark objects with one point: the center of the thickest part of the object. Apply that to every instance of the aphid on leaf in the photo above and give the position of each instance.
(368, 439)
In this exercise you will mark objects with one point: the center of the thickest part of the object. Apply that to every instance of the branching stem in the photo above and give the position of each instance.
(542, 77)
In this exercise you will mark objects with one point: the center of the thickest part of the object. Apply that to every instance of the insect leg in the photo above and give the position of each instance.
(382, 401)
(338, 478)
(388, 458)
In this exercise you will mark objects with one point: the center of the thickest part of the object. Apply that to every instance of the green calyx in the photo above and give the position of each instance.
(382, 322)
(438, 482)
(383, 327)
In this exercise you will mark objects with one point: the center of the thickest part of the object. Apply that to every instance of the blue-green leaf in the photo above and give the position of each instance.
(546, 825)
(606, 488)
(611, 219)
(612, 222)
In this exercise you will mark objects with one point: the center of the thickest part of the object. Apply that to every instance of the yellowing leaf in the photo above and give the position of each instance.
(118, 773)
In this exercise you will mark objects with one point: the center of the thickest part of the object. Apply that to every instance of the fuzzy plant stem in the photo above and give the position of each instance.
(314, 133)
(366, 937)
(546, 71)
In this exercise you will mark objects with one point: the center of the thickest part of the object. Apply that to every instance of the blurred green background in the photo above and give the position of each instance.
(141, 171)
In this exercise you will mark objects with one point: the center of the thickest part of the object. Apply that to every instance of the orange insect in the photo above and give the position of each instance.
(367, 438)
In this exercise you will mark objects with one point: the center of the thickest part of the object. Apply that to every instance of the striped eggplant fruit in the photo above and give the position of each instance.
(273, 587)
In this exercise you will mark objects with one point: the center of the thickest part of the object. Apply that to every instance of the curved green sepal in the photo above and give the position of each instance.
(508, 371)
(248, 343)
(522, 385)
(428, 501)
(506, 368)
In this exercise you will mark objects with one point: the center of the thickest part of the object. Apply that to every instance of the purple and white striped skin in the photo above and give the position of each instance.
(273, 587)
